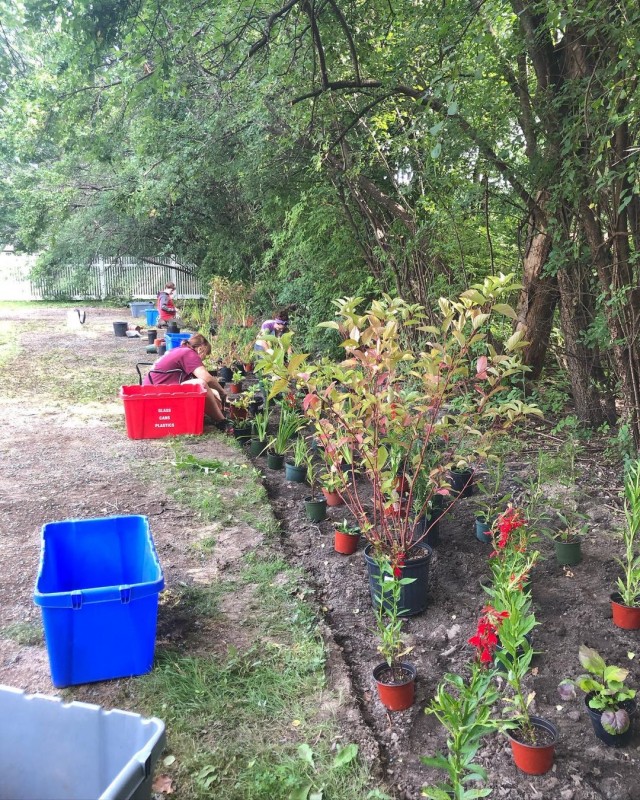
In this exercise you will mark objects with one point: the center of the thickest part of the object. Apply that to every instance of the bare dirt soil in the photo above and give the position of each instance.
(64, 460)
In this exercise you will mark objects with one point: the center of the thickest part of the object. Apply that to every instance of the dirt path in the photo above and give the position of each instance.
(72, 459)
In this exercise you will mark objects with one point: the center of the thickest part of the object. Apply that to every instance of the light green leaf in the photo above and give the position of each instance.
(506, 310)
(301, 793)
(306, 754)
(345, 755)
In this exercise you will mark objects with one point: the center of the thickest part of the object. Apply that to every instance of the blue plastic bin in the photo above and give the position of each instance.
(151, 315)
(51, 750)
(139, 307)
(98, 584)
(175, 339)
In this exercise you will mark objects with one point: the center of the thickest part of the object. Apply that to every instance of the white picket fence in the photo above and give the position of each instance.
(123, 278)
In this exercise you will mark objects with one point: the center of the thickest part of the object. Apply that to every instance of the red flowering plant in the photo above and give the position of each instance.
(511, 564)
(384, 410)
(485, 639)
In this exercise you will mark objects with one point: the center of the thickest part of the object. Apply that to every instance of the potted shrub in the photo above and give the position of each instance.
(296, 470)
(610, 704)
(383, 405)
(332, 482)
(347, 537)
(395, 679)
(289, 424)
(239, 407)
(625, 602)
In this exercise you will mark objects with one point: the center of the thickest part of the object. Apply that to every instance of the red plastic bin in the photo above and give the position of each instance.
(171, 410)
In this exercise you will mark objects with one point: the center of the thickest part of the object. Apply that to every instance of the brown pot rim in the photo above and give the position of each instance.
(404, 665)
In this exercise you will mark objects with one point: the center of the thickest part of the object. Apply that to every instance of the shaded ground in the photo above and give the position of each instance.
(66, 460)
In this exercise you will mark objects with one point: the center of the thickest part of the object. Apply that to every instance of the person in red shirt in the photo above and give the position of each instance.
(188, 360)
(165, 305)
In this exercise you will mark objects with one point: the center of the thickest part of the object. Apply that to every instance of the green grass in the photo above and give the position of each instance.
(23, 633)
(245, 724)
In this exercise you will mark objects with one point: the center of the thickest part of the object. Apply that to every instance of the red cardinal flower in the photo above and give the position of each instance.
(397, 568)
(486, 635)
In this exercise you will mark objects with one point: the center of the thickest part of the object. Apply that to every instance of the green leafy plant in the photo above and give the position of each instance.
(388, 613)
(347, 528)
(490, 501)
(261, 421)
(237, 377)
(604, 685)
(334, 480)
(629, 584)
(568, 524)
(465, 710)
(300, 450)
(289, 424)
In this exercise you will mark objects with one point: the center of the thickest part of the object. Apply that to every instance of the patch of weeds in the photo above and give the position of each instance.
(206, 545)
(8, 343)
(23, 633)
(551, 466)
(266, 523)
(206, 501)
(202, 600)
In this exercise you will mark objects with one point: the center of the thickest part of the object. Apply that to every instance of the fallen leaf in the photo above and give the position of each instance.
(296, 723)
(163, 784)
(168, 761)
(631, 656)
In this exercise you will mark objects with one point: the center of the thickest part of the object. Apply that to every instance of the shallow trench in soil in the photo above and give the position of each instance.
(66, 460)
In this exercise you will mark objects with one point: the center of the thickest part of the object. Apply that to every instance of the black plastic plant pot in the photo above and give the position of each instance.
(611, 739)
(225, 374)
(242, 434)
(413, 596)
(568, 553)
(294, 473)
(316, 508)
(275, 460)
(257, 447)
(427, 524)
(483, 531)
(462, 482)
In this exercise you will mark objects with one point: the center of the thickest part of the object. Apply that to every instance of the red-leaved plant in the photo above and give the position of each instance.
(382, 414)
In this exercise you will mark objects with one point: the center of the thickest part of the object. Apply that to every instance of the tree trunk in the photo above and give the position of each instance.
(538, 297)
(622, 313)
(575, 303)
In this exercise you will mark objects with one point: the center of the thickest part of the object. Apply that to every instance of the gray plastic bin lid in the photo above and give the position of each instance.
(50, 750)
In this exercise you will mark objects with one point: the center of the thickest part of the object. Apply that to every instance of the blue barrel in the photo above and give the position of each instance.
(151, 315)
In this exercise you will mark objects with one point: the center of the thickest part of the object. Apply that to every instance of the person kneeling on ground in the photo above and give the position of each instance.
(271, 327)
(188, 359)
